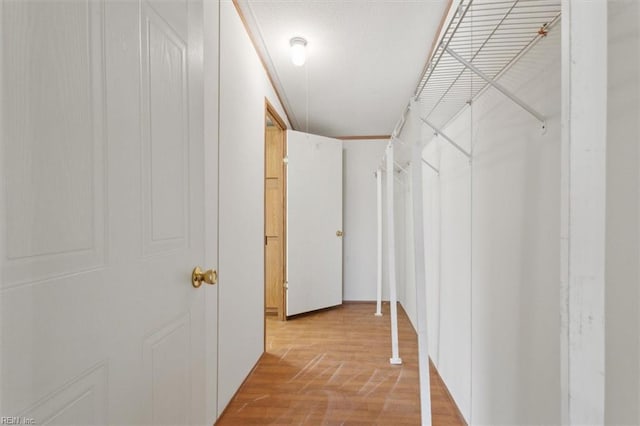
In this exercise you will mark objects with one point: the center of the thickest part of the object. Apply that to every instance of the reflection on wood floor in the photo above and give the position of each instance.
(332, 367)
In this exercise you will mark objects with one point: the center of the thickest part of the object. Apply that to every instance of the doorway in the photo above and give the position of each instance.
(275, 190)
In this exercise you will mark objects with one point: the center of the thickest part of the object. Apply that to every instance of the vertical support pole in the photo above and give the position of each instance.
(420, 274)
(379, 280)
(391, 256)
(583, 199)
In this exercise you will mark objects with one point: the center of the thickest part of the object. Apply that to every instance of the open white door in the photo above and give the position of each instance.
(102, 214)
(314, 222)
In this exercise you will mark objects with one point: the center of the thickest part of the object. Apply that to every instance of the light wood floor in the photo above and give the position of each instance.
(332, 367)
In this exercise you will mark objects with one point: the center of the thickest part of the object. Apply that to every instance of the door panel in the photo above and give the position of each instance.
(165, 127)
(53, 175)
(274, 274)
(166, 358)
(314, 215)
(273, 215)
(274, 255)
(102, 118)
(57, 219)
(275, 146)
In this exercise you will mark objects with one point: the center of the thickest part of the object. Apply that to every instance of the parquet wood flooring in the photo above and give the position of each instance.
(332, 368)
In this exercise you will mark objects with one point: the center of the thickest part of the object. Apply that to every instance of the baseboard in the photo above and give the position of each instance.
(446, 388)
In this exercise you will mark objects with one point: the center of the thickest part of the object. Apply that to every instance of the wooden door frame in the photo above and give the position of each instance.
(269, 110)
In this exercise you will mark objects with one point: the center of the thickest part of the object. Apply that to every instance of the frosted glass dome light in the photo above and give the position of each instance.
(298, 51)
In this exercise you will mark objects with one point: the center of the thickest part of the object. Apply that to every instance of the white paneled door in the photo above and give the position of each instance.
(102, 214)
(314, 222)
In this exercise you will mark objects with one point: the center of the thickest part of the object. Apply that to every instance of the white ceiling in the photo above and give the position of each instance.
(364, 59)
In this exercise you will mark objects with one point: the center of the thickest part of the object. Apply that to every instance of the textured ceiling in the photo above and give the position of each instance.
(364, 59)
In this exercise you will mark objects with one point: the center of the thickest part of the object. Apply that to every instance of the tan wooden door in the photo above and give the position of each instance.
(274, 217)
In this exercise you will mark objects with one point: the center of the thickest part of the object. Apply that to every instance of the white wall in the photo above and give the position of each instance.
(432, 222)
(622, 327)
(515, 292)
(407, 287)
(453, 345)
(493, 303)
(243, 88)
(402, 192)
(361, 159)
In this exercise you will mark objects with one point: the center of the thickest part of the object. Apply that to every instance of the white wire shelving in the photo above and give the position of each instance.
(482, 40)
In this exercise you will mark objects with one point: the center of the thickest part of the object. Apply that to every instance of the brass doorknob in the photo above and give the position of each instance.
(339, 234)
(198, 277)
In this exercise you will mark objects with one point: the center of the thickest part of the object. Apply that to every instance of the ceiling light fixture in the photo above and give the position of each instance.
(298, 54)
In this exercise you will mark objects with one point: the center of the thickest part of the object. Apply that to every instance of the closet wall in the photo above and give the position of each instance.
(360, 221)
(492, 244)
(244, 85)
(403, 219)
(622, 292)
(492, 241)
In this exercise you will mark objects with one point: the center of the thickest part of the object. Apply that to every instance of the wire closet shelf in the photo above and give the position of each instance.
(482, 40)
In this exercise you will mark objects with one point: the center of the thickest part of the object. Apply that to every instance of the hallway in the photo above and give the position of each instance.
(475, 161)
(332, 367)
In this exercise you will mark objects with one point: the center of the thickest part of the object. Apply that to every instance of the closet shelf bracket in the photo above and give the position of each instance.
(446, 138)
(431, 166)
(497, 86)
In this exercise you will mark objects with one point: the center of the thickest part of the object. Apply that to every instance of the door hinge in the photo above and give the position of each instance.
(265, 240)
(286, 285)
(285, 160)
